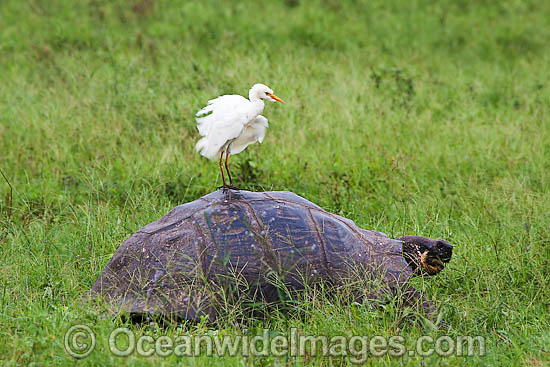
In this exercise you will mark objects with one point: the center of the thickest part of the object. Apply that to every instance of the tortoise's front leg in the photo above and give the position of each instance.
(412, 298)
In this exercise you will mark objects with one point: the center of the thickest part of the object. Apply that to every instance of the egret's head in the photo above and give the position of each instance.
(262, 91)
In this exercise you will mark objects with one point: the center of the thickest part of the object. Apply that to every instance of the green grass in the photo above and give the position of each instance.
(409, 117)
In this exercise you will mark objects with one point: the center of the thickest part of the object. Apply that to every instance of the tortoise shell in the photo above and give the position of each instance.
(167, 266)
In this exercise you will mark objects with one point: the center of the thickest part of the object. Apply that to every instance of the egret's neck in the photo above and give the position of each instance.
(258, 104)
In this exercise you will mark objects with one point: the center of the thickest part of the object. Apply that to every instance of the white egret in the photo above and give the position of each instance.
(230, 123)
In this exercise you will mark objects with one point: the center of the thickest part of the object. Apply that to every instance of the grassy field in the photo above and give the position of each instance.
(409, 117)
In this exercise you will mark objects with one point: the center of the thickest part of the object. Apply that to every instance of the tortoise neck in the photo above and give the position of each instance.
(412, 254)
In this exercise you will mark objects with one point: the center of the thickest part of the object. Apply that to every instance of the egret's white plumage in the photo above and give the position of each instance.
(230, 123)
(253, 132)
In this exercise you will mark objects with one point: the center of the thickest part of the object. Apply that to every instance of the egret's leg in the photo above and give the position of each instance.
(227, 168)
(221, 169)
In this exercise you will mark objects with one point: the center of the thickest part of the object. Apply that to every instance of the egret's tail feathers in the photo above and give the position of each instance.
(206, 149)
(201, 144)
(204, 124)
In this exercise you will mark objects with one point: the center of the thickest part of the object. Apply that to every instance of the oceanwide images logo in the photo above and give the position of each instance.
(80, 341)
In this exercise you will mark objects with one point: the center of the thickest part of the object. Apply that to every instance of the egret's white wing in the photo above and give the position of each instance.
(216, 109)
(225, 119)
(253, 132)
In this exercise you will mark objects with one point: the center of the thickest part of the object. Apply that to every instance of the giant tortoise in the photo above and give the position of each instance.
(257, 242)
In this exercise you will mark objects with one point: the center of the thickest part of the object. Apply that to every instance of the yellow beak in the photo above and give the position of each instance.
(275, 97)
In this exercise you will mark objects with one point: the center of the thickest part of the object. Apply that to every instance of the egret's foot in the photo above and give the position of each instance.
(224, 188)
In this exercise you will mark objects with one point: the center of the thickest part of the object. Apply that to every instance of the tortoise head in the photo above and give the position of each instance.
(426, 255)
